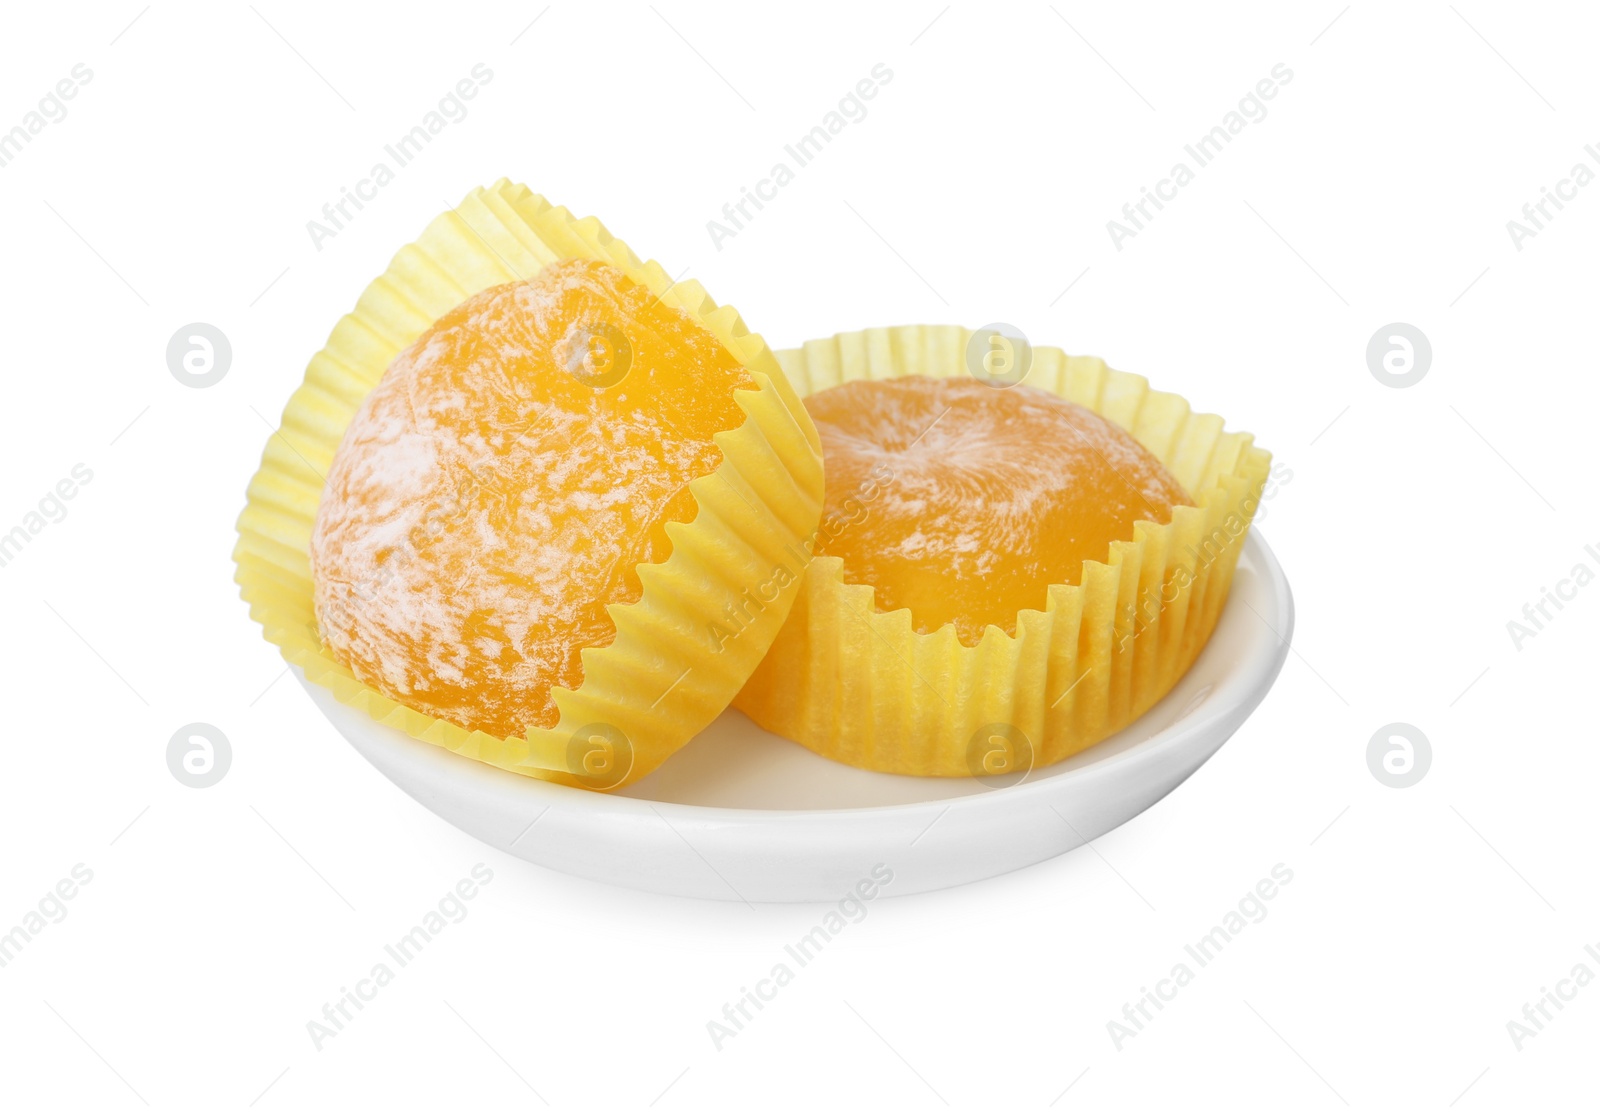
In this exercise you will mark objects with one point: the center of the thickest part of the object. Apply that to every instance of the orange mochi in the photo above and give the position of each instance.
(963, 501)
(498, 488)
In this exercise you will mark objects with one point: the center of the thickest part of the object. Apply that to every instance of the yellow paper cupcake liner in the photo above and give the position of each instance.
(866, 689)
(678, 658)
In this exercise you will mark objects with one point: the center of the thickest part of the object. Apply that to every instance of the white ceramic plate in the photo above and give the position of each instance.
(740, 814)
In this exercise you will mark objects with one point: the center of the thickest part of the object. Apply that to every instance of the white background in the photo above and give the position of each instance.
(1416, 524)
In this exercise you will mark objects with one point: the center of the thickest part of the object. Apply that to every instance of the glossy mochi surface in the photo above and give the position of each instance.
(501, 484)
(964, 501)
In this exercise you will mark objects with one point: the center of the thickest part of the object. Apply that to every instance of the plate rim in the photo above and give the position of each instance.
(1258, 681)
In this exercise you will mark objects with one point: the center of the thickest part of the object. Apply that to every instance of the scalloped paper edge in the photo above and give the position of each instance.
(862, 687)
(760, 501)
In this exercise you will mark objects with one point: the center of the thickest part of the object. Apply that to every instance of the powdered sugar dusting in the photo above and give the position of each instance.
(485, 504)
(995, 495)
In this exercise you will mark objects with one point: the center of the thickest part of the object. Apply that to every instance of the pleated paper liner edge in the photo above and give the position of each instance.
(762, 499)
(864, 688)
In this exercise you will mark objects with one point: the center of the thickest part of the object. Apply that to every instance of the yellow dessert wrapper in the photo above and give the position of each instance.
(864, 688)
(666, 675)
